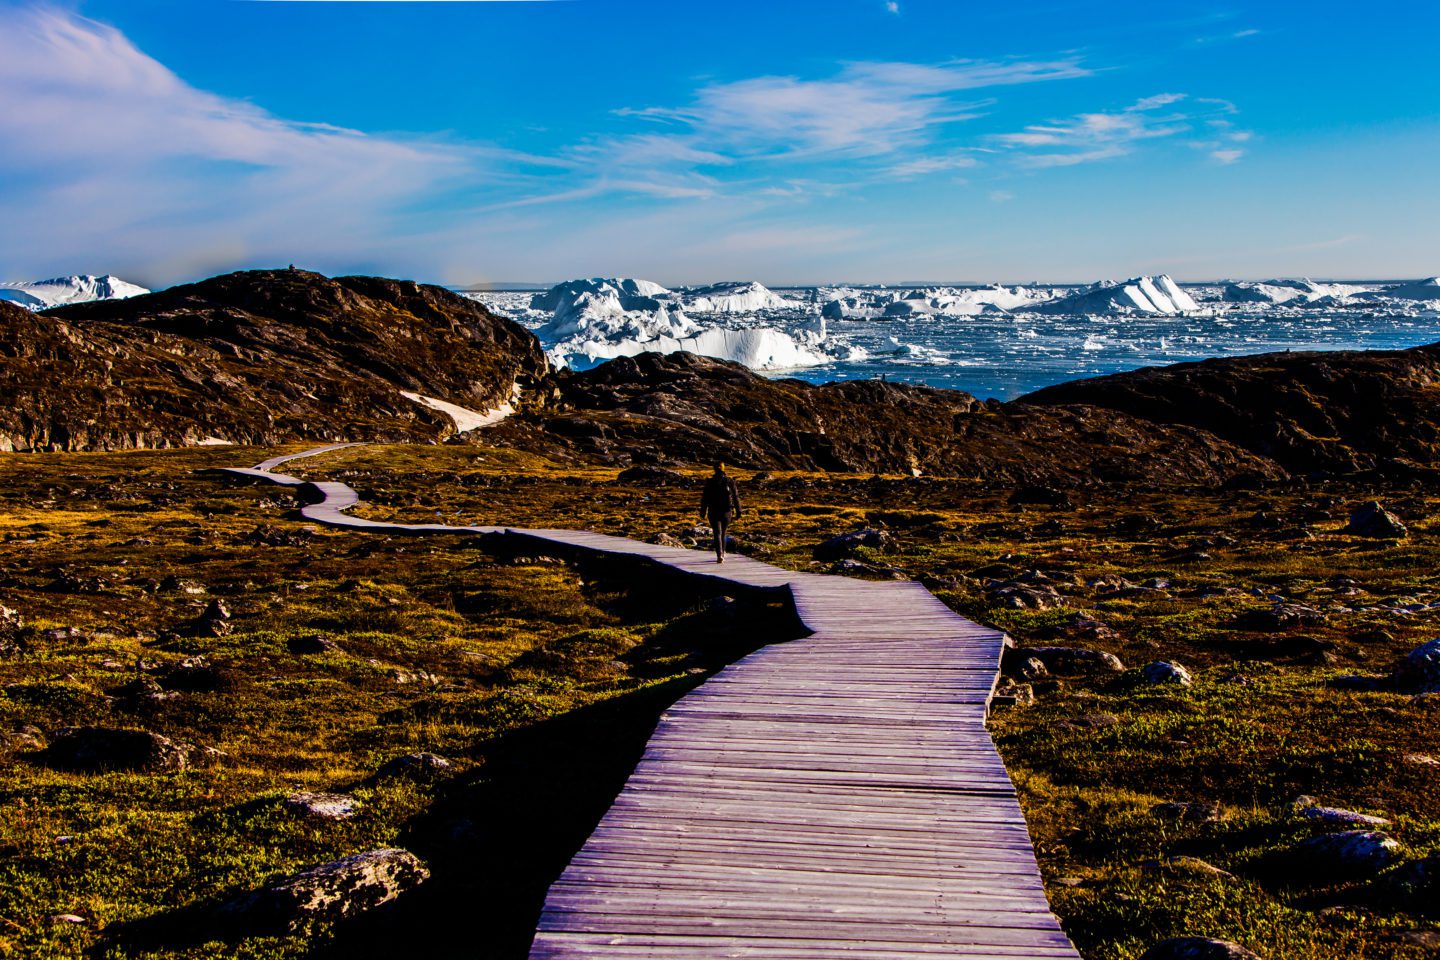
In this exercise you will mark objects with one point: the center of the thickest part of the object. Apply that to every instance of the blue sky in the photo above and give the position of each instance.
(460, 142)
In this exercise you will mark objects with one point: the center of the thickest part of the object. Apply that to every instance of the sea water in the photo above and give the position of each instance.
(1007, 355)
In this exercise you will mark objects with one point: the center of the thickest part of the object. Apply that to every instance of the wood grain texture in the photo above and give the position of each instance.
(832, 796)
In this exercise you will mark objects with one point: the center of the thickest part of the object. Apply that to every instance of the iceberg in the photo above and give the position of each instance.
(759, 348)
(40, 294)
(600, 319)
(736, 297)
(1293, 292)
(1153, 295)
(1419, 290)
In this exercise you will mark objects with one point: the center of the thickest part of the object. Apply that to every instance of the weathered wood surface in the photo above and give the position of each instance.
(833, 796)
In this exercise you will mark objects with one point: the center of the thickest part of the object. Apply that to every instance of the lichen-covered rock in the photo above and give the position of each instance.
(322, 806)
(1166, 671)
(1197, 948)
(1348, 855)
(331, 891)
(1336, 817)
(1373, 520)
(1073, 660)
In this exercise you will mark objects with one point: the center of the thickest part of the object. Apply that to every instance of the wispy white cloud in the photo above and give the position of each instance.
(892, 7)
(1092, 137)
(109, 144)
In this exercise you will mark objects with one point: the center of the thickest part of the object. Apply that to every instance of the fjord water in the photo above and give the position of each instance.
(1005, 357)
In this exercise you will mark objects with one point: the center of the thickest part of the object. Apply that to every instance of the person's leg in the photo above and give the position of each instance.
(720, 524)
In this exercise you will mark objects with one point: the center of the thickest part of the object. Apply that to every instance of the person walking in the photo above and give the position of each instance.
(719, 504)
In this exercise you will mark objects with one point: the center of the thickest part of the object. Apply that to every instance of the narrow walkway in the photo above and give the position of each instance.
(834, 796)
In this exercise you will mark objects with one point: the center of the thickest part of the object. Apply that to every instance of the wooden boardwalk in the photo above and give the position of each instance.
(833, 796)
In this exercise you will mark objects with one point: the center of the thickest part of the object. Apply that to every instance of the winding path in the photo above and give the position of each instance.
(832, 796)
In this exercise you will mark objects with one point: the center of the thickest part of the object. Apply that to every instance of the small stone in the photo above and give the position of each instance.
(323, 806)
(173, 584)
(1197, 948)
(1166, 671)
(1424, 939)
(66, 918)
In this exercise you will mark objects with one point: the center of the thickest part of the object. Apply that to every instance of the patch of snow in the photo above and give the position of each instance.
(214, 442)
(464, 418)
(39, 294)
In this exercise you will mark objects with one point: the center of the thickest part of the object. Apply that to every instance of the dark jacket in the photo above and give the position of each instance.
(721, 497)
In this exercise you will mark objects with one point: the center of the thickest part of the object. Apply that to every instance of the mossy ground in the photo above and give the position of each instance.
(541, 682)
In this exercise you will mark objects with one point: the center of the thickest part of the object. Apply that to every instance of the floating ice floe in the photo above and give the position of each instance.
(1153, 295)
(40, 294)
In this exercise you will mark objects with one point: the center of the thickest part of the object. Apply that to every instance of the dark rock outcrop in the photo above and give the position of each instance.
(262, 357)
(1331, 412)
(680, 408)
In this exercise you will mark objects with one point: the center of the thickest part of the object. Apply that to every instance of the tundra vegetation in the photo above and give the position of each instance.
(278, 659)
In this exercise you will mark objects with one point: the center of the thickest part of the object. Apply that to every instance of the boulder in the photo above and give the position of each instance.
(1073, 660)
(846, 545)
(1415, 887)
(174, 584)
(103, 748)
(311, 644)
(322, 806)
(1281, 616)
(1348, 855)
(1197, 948)
(331, 891)
(1373, 520)
(1419, 671)
(414, 764)
(1166, 671)
(1336, 817)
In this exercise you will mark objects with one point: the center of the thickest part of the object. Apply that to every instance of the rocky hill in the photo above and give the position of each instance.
(1312, 413)
(681, 408)
(254, 357)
